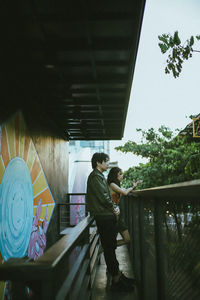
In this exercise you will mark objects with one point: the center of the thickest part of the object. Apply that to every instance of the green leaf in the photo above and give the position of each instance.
(163, 48)
(177, 40)
(192, 41)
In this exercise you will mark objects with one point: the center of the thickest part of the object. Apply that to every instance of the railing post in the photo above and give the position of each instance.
(59, 218)
(160, 252)
(18, 290)
(47, 290)
(68, 210)
(141, 249)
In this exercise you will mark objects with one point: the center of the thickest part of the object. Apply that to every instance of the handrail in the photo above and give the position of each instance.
(76, 194)
(55, 254)
(65, 288)
(182, 189)
(46, 268)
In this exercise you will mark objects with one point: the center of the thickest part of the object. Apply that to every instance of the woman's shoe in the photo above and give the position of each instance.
(121, 286)
(127, 280)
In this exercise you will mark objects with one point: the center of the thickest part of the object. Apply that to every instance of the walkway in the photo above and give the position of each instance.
(101, 290)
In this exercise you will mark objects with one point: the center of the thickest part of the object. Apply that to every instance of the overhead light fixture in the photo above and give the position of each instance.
(49, 66)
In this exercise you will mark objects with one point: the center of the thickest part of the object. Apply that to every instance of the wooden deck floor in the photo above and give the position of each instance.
(102, 290)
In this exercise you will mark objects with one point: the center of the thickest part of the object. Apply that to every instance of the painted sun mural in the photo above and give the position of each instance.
(26, 202)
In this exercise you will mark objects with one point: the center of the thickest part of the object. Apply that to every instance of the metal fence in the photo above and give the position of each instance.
(164, 225)
(73, 211)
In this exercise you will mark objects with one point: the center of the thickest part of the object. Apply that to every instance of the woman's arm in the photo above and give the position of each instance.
(120, 190)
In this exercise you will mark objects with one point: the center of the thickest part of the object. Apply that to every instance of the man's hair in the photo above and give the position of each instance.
(98, 157)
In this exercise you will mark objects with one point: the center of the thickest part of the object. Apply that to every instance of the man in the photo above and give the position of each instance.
(101, 206)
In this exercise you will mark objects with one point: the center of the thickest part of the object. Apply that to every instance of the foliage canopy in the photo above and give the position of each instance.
(171, 158)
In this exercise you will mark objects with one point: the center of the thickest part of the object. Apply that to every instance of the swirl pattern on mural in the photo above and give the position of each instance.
(16, 209)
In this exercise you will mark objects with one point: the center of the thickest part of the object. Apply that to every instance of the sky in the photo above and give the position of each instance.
(157, 98)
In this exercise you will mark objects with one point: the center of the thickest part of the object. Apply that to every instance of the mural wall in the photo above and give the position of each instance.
(26, 202)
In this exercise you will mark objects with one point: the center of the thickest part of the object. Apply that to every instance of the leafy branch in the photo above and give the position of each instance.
(178, 52)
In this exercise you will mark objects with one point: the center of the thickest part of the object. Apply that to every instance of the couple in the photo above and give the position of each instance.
(106, 212)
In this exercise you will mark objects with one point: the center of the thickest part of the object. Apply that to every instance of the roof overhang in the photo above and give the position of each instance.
(72, 62)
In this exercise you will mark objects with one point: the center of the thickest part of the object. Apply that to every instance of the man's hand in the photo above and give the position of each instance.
(116, 212)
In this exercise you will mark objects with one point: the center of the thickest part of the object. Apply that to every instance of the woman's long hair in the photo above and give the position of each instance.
(112, 175)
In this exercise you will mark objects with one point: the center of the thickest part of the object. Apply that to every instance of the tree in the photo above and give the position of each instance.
(171, 158)
(178, 52)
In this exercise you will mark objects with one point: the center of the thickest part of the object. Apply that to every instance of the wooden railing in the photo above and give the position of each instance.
(164, 225)
(65, 271)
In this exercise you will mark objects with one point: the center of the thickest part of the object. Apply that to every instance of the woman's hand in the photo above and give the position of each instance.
(139, 182)
(136, 183)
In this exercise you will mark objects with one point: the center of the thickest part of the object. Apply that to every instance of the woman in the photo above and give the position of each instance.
(114, 180)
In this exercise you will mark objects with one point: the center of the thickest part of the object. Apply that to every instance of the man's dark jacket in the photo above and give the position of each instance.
(99, 200)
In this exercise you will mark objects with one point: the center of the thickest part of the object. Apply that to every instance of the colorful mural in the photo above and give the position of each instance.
(26, 202)
(38, 234)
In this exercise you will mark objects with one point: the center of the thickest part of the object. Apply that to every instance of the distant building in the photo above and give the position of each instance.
(193, 128)
(80, 153)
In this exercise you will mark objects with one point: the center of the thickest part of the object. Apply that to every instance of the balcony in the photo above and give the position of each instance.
(164, 224)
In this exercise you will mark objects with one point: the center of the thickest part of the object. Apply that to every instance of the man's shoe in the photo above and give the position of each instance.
(121, 286)
(127, 280)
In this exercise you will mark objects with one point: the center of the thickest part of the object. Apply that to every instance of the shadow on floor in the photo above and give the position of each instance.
(102, 290)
